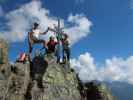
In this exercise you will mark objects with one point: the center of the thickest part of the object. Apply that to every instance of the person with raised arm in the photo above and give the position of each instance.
(34, 37)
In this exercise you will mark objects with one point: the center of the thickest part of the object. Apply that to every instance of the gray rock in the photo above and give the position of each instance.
(14, 86)
(48, 81)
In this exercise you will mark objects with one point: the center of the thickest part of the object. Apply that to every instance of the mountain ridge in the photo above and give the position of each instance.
(42, 78)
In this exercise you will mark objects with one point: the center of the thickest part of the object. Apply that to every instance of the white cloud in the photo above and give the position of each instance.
(80, 29)
(85, 67)
(115, 69)
(20, 20)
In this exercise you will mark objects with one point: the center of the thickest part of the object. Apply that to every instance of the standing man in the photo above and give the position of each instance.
(34, 37)
(66, 48)
(58, 32)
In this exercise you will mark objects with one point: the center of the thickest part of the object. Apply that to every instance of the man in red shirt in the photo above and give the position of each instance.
(51, 45)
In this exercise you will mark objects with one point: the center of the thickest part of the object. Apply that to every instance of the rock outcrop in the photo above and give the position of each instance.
(14, 81)
(47, 81)
(58, 81)
(44, 80)
(96, 91)
(3, 52)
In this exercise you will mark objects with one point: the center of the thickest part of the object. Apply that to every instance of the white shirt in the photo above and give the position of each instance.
(36, 33)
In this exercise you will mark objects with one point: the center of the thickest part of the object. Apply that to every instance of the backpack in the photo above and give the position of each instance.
(22, 57)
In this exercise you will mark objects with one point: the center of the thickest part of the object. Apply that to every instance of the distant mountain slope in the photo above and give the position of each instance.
(121, 90)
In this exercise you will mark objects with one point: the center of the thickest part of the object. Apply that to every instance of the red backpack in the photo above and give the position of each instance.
(22, 57)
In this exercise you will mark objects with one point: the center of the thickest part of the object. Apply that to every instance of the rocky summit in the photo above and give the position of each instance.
(44, 79)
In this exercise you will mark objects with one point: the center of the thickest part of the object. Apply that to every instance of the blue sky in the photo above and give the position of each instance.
(111, 33)
(100, 30)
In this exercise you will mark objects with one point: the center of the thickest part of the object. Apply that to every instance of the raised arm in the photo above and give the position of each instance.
(49, 29)
(45, 31)
(52, 30)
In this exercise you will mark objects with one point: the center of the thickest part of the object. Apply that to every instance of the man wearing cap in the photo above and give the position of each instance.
(34, 35)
